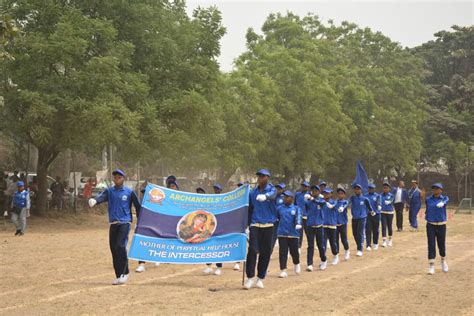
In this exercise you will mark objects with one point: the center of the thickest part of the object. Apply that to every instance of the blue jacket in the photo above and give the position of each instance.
(21, 199)
(374, 199)
(299, 200)
(330, 214)
(387, 209)
(262, 212)
(120, 203)
(342, 216)
(315, 213)
(414, 198)
(436, 214)
(404, 194)
(360, 206)
(289, 216)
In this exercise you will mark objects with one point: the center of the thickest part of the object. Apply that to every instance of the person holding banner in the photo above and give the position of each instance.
(301, 202)
(315, 229)
(342, 221)
(289, 230)
(360, 207)
(386, 201)
(217, 190)
(373, 221)
(120, 199)
(262, 216)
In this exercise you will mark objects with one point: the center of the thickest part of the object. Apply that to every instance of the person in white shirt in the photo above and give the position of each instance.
(401, 196)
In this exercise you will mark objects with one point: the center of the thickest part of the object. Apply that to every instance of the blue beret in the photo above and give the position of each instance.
(217, 186)
(323, 183)
(371, 186)
(386, 184)
(281, 185)
(170, 178)
(288, 193)
(118, 172)
(305, 183)
(437, 185)
(356, 185)
(341, 190)
(200, 189)
(263, 172)
(20, 184)
(327, 190)
(315, 187)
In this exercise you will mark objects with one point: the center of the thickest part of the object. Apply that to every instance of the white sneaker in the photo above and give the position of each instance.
(431, 269)
(208, 270)
(347, 255)
(157, 264)
(298, 268)
(283, 274)
(322, 265)
(260, 284)
(359, 253)
(141, 268)
(218, 271)
(299, 251)
(384, 244)
(369, 248)
(444, 266)
(115, 282)
(376, 246)
(335, 260)
(309, 268)
(390, 243)
(123, 279)
(237, 266)
(248, 284)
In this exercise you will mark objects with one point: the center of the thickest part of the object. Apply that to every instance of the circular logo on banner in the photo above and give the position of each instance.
(196, 227)
(156, 195)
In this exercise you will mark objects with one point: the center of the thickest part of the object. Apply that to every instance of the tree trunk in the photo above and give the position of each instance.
(46, 156)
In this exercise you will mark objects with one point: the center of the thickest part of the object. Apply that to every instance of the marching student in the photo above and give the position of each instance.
(278, 201)
(360, 207)
(330, 223)
(414, 204)
(372, 226)
(436, 219)
(322, 185)
(120, 199)
(315, 228)
(262, 215)
(289, 230)
(20, 207)
(300, 201)
(386, 201)
(342, 220)
(217, 190)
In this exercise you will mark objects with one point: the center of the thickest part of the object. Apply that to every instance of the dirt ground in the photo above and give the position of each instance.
(63, 266)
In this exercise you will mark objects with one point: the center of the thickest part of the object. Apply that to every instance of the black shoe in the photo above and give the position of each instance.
(17, 232)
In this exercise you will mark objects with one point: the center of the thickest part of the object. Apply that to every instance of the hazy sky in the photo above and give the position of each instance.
(408, 22)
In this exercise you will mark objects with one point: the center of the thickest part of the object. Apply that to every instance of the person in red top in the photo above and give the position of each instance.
(88, 189)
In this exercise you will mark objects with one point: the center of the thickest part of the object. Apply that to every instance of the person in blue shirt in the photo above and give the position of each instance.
(120, 199)
(330, 224)
(342, 220)
(20, 207)
(278, 201)
(262, 217)
(208, 270)
(387, 213)
(289, 232)
(436, 219)
(373, 220)
(360, 207)
(300, 202)
(315, 228)
(414, 204)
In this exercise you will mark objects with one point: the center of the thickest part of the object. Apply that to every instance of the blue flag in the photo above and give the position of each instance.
(361, 178)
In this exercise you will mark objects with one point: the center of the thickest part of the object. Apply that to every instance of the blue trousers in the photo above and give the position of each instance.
(413, 215)
(358, 226)
(317, 232)
(436, 234)
(118, 239)
(372, 229)
(342, 236)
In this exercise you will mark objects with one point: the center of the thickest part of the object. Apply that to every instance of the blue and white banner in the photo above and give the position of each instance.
(190, 228)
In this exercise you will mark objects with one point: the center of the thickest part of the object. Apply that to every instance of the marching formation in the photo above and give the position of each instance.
(315, 212)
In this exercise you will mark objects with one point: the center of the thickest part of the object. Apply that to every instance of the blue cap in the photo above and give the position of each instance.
(323, 183)
(386, 184)
(341, 190)
(356, 185)
(170, 178)
(169, 183)
(200, 189)
(288, 193)
(371, 186)
(20, 184)
(217, 186)
(281, 185)
(327, 191)
(119, 172)
(437, 185)
(263, 172)
(305, 183)
(315, 186)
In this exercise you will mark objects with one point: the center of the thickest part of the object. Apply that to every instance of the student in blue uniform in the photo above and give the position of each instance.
(388, 210)
(278, 201)
(372, 226)
(330, 223)
(315, 228)
(120, 199)
(300, 202)
(20, 207)
(208, 270)
(414, 204)
(289, 230)
(342, 220)
(360, 207)
(436, 219)
(262, 216)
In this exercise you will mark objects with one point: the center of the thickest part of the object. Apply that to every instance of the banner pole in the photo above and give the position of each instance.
(243, 273)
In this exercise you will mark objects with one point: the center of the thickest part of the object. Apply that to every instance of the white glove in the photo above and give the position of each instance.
(440, 204)
(340, 210)
(321, 196)
(5, 213)
(261, 197)
(329, 205)
(372, 213)
(92, 202)
(298, 227)
(388, 202)
(379, 207)
(247, 231)
(307, 197)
